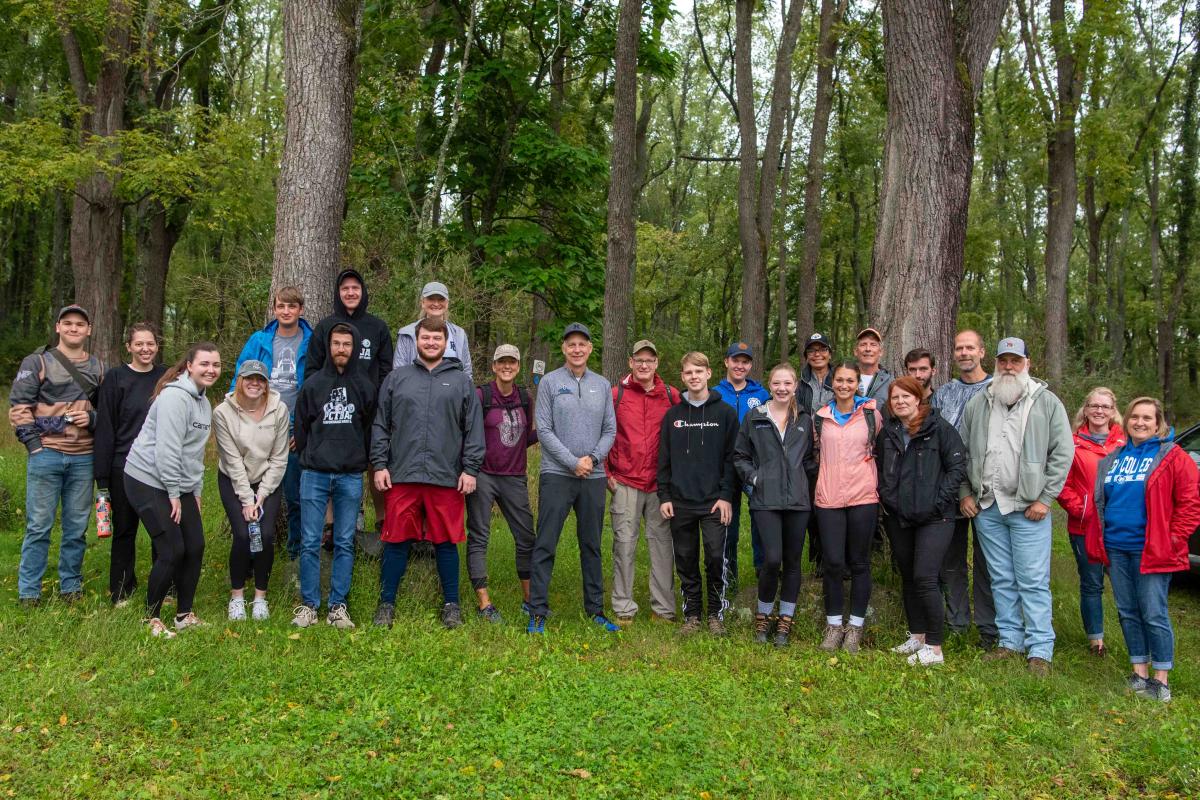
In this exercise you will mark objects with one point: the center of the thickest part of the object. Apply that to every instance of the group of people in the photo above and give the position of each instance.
(833, 452)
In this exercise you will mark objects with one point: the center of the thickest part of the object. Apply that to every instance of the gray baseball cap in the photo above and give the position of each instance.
(251, 367)
(434, 288)
(1012, 346)
(506, 351)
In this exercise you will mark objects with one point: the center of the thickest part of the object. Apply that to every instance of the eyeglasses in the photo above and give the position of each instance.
(645, 362)
(1098, 407)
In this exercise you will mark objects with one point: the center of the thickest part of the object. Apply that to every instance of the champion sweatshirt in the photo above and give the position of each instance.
(695, 453)
(168, 454)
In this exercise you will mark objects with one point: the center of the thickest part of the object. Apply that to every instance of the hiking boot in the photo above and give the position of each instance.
(71, 598)
(259, 609)
(29, 602)
(988, 643)
(783, 630)
(624, 622)
(384, 614)
(605, 623)
(1156, 690)
(188, 620)
(1038, 667)
(159, 629)
(852, 641)
(716, 626)
(237, 609)
(999, 654)
(537, 624)
(303, 616)
(452, 616)
(339, 617)
(926, 657)
(491, 614)
(834, 634)
(910, 646)
(690, 626)
(762, 628)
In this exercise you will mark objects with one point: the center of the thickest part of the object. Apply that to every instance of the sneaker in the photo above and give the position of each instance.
(605, 623)
(624, 622)
(852, 642)
(783, 630)
(1156, 690)
(910, 646)
(716, 626)
(158, 628)
(925, 657)
(537, 624)
(122, 603)
(491, 614)
(303, 616)
(190, 620)
(1038, 667)
(655, 617)
(237, 609)
(1136, 683)
(690, 626)
(339, 617)
(259, 609)
(384, 614)
(999, 654)
(834, 634)
(762, 628)
(452, 616)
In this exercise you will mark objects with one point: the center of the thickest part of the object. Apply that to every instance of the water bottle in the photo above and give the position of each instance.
(255, 530)
(103, 516)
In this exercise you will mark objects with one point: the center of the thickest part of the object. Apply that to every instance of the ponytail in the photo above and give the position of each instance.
(180, 366)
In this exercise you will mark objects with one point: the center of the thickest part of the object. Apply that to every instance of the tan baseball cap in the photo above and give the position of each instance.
(506, 351)
(643, 344)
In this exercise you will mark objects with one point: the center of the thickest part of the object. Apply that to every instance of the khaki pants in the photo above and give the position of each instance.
(629, 507)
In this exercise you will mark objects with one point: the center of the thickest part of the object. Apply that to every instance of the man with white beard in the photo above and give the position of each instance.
(1020, 448)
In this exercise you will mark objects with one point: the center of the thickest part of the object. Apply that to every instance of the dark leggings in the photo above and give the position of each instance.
(394, 564)
(846, 535)
(782, 537)
(122, 577)
(180, 546)
(240, 558)
(919, 552)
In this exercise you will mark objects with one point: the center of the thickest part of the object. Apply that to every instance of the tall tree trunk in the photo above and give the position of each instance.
(782, 264)
(158, 231)
(934, 57)
(832, 13)
(320, 45)
(622, 188)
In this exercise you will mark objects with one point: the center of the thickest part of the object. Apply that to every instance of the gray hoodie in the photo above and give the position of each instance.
(575, 418)
(169, 452)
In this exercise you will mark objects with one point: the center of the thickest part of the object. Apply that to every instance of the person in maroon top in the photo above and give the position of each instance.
(507, 433)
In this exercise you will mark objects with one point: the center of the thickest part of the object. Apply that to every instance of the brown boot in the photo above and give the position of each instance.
(999, 654)
(852, 642)
(834, 634)
(783, 630)
(762, 628)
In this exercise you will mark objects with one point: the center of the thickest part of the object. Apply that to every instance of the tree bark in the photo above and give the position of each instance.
(934, 56)
(832, 13)
(320, 45)
(158, 231)
(622, 188)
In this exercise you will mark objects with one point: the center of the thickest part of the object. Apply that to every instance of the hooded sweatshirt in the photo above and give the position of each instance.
(376, 350)
(695, 455)
(752, 395)
(252, 451)
(168, 454)
(334, 414)
(1125, 494)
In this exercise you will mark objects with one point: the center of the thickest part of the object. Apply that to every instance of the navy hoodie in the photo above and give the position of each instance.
(375, 349)
(334, 414)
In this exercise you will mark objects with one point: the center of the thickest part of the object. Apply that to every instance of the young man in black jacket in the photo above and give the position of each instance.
(696, 486)
(333, 423)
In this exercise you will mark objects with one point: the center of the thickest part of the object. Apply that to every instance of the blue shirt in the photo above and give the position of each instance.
(1125, 497)
(752, 395)
(839, 417)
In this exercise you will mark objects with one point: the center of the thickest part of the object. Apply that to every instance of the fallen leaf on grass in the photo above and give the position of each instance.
(62, 720)
(497, 764)
(916, 772)
(294, 636)
(706, 796)
(333, 778)
(580, 773)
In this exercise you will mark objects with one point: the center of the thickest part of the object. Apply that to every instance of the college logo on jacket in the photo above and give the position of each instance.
(338, 410)
(364, 352)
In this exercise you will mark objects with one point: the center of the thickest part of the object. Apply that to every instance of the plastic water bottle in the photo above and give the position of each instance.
(103, 516)
(255, 530)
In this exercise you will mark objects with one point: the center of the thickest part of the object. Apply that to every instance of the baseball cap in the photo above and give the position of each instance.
(74, 309)
(1012, 346)
(870, 332)
(506, 351)
(251, 367)
(817, 338)
(739, 349)
(433, 287)
(577, 327)
(643, 344)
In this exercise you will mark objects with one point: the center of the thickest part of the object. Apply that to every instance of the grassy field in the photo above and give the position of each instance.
(91, 706)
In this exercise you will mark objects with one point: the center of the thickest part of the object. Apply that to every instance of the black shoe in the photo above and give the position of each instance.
(384, 614)
(762, 628)
(783, 629)
(451, 615)
(988, 643)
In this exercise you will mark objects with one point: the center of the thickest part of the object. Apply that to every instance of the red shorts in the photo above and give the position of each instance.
(419, 512)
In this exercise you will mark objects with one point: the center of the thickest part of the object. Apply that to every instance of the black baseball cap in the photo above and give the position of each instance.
(817, 338)
(577, 327)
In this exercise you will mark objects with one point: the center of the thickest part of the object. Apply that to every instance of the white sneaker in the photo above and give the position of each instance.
(237, 609)
(925, 657)
(157, 628)
(911, 645)
(339, 617)
(259, 610)
(190, 620)
(304, 616)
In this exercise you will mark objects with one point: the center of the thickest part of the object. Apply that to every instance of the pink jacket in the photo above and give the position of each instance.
(847, 475)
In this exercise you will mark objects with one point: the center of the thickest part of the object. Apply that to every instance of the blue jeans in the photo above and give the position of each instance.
(291, 501)
(1091, 591)
(1142, 608)
(316, 490)
(1017, 551)
(52, 477)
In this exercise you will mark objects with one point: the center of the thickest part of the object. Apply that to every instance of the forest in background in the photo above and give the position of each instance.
(770, 157)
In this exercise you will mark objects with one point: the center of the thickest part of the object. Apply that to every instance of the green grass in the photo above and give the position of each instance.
(91, 706)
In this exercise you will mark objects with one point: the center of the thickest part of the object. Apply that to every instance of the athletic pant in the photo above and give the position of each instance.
(557, 496)
(394, 564)
(691, 527)
(782, 536)
(919, 552)
(180, 544)
(122, 577)
(240, 558)
(511, 493)
(958, 586)
(846, 536)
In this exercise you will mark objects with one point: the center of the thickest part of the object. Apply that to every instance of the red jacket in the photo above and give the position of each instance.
(1172, 512)
(633, 459)
(1076, 496)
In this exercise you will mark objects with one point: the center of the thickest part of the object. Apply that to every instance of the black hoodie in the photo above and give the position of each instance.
(695, 453)
(375, 352)
(334, 414)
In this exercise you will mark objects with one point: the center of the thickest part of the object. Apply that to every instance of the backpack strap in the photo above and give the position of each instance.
(486, 391)
(620, 394)
(870, 429)
(671, 398)
(523, 396)
(87, 387)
